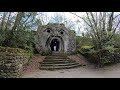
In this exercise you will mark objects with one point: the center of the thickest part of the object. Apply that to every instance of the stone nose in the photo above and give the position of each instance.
(55, 33)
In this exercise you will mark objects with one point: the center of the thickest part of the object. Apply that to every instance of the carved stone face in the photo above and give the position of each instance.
(54, 36)
(56, 30)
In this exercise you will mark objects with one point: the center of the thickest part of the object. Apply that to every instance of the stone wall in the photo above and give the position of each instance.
(12, 61)
(72, 41)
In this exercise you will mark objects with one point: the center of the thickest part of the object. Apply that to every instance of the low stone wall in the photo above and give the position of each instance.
(12, 61)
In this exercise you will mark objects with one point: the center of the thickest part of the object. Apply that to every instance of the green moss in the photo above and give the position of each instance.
(87, 47)
(13, 51)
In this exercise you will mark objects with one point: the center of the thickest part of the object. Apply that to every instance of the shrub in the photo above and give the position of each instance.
(85, 49)
(83, 41)
(101, 57)
(14, 51)
(17, 39)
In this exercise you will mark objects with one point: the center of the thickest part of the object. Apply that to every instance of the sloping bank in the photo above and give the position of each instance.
(12, 61)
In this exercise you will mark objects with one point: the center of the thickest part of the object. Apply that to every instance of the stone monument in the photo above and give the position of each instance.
(55, 37)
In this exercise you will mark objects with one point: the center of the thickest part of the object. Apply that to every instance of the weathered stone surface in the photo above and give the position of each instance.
(46, 34)
(11, 65)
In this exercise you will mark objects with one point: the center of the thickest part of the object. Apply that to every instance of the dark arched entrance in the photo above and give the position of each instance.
(54, 45)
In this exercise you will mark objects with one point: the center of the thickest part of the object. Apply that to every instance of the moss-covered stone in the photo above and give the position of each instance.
(12, 61)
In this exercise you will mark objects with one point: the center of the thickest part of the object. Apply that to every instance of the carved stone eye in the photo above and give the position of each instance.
(61, 32)
(48, 31)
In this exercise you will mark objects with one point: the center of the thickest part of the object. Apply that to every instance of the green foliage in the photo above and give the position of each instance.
(16, 30)
(81, 41)
(101, 57)
(116, 40)
(87, 47)
(8, 51)
(2, 37)
(102, 27)
(13, 51)
(110, 49)
(19, 39)
(111, 56)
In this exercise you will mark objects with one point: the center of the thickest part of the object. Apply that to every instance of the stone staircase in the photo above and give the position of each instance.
(58, 61)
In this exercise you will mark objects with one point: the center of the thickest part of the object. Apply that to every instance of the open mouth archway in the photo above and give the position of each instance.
(55, 43)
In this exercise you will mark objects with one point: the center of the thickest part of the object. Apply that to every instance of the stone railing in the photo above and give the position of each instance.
(12, 61)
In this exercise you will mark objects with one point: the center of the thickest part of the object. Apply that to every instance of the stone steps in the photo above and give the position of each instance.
(59, 67)
(58, 61)
(58, 64)
(56, 57)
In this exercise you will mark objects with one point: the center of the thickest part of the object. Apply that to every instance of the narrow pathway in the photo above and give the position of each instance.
(88, 71)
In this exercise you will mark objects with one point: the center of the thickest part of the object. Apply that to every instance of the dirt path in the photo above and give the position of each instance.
(88, 71)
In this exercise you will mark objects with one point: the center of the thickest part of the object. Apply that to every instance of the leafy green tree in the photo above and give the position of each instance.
(16, 29)
(101, 27)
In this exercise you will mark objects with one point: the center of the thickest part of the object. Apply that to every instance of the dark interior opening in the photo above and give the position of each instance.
(48, 31)
(55, 45)
(61, 32)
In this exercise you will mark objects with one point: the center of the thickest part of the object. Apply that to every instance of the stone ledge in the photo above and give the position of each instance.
(12, 61)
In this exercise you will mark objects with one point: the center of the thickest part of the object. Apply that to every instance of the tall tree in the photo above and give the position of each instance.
(2, 25)
(17, 20)
(101, 26)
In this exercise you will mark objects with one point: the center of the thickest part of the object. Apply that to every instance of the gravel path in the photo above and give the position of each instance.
(88, 71)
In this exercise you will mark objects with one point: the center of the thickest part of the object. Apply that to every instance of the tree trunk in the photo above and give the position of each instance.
(3, 20)
(17, 20)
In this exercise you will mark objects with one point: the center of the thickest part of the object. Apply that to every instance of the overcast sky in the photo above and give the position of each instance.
(74, 19)
(70, 16)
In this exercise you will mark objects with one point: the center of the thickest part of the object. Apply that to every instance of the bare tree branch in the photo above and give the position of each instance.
(116, 26)
(81, 18)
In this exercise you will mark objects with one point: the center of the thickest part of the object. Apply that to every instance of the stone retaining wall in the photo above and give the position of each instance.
(12, 61)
